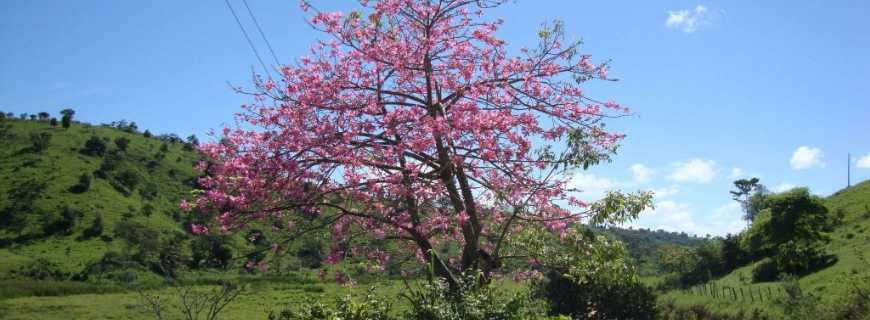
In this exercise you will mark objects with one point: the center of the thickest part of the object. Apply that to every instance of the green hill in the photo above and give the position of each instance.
(47, 207)
(829, 287)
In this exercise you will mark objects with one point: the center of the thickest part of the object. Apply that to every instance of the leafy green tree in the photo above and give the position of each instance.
(67, 117)
(752, 196)
(43, 116)
(53, 122)
(147, 133)
(792, 216)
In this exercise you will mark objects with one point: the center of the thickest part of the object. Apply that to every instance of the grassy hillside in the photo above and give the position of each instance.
(40, 191)
(850, 243)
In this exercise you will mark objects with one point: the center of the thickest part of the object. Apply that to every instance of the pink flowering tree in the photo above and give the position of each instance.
(412, 123)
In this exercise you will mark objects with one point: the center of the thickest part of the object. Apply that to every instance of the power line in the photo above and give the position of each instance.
(268, 45)
(250, 43)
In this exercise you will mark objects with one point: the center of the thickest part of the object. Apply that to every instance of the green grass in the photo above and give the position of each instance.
(849, 242)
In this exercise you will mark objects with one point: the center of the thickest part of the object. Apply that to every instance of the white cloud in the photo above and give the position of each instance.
(785, 186)
(695, 170)
(591, 187)
(729, 218)
(687, 20)
(807, 157)
(666, 192)
(736, 173)
(680, 217)
(863, 162)
(641, 173)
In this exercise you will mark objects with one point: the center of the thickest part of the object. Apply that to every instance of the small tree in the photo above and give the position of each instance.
(752, 195)
(43, 116)
(122, 143)
(39, 141)
(53, 122)
(66, 119)
(147, 133)
(33, 117)
(95, 146)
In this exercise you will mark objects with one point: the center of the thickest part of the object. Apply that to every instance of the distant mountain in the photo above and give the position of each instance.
(643, 244)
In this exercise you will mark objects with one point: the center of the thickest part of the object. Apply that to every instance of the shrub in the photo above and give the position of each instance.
(127, 180)
(96, 228)
(41, 269)
(471, 299)
(764, 271)
(122, 143)
(799, 258)
(39, 141)
(95, 147)
(53, 122)
(369, 307)
(597, 299)
(64, 224)
(84, 184)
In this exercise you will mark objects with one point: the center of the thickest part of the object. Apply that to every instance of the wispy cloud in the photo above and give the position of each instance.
(807, 157)
(863, 162)
(782, 187)
(641, 173)
(736, 173)
(688, 20)
(591, 187)
(694, 170)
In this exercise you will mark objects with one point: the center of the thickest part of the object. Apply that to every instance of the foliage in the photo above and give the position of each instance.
(95, 147)
(96, 228)
(368, 307)
(792, 216)
(39, 141)
(752, 196)
(122, 143)
(595, 298)
(472, 299)
(66, 119)
(405, 136)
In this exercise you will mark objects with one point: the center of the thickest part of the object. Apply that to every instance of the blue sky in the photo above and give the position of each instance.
(774, 89)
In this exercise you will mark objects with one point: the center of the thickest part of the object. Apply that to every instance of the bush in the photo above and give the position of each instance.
(597, 299)
(122, 143)
(39, 141)
(370, 307)
(765, 271)
(96, 228)
(95, 147)
(84, 184)
(41, 269)
(471, 299)
(126, 181)
(63, 225)
(800, 258)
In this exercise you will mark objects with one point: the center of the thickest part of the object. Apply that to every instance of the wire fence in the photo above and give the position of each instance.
(748, 294)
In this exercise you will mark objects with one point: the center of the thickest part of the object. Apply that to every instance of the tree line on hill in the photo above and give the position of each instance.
(786, 236)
